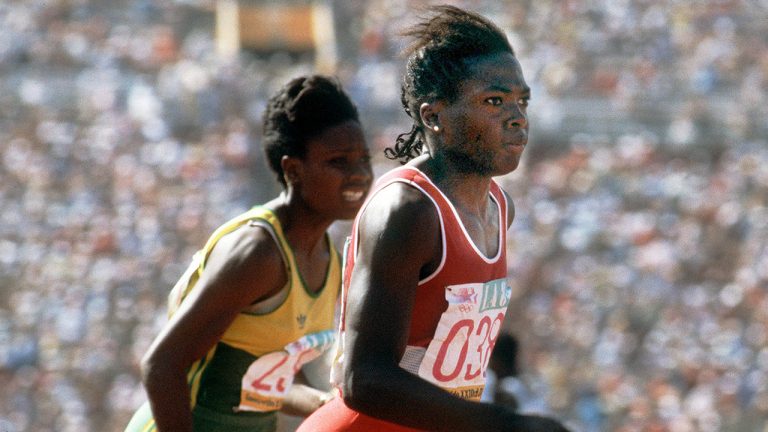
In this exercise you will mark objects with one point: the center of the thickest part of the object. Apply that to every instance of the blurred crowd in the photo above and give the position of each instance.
(638, 258)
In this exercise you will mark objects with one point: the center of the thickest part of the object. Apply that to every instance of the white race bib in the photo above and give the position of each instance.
(458, 355)
(268, 379)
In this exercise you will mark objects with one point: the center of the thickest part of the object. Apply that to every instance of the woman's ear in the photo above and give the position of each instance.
(430, 115)
(292, 169)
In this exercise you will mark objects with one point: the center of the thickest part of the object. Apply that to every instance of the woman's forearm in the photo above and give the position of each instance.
(169, 398)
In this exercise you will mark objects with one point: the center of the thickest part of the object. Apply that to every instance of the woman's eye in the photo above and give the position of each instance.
(495, 101)
(523, 102)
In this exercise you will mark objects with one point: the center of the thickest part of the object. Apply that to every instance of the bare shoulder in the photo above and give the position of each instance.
(246, 261)
(251, 242)
(400, 213)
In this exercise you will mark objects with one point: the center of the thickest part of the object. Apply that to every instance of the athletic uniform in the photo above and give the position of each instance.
(457, 314)
(242, 381)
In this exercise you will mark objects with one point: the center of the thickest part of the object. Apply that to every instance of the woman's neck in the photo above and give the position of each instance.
(470, 191)
(304, 229)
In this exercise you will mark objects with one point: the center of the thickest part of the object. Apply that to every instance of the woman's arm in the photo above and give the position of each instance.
(303, 399)
(244, 266)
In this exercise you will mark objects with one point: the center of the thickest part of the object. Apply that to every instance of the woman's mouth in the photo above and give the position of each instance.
(352, 196)
(516, 146)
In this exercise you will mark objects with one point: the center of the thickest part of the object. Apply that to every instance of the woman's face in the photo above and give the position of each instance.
(335, 173)
(485, 130)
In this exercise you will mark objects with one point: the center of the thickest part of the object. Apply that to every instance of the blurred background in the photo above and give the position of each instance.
(638, 260)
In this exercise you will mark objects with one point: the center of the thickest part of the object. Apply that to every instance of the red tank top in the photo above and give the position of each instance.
(459, 309)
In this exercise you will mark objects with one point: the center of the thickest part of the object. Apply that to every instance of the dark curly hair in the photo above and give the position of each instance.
(438, 63)
(301, 110)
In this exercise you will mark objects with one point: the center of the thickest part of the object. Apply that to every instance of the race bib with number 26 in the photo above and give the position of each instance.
(268, 379)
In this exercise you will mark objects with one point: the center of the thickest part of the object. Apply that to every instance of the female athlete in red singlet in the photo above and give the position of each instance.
(425, 290)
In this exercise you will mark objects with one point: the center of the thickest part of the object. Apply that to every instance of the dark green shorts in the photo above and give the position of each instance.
(206, 420)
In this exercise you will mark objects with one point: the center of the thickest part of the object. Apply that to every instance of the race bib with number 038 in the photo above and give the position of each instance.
(458, 355)
(268, 379)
